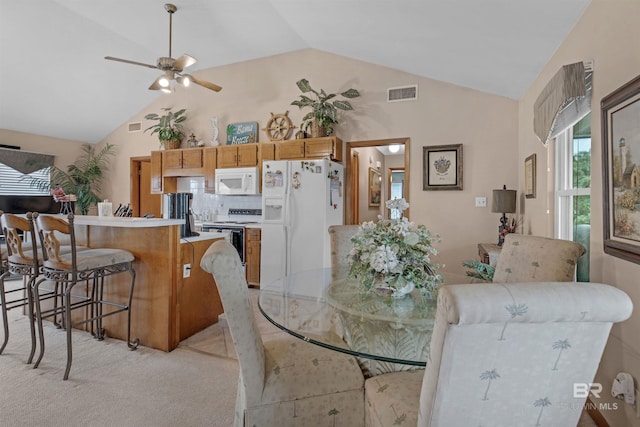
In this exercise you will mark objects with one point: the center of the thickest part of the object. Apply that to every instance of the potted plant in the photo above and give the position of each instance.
(168, 127)
(81, 182)
(324, 112)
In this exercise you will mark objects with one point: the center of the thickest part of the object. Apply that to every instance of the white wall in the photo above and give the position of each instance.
(608, 34)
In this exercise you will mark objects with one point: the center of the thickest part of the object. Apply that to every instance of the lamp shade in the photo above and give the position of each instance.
(504, 201)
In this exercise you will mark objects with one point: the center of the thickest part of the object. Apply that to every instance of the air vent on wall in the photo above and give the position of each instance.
(405, 93)
(135, 127)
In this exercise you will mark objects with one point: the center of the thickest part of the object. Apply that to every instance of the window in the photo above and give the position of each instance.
(573, 188)
(15, 183)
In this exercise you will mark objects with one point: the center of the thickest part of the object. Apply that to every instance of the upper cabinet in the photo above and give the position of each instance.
(245, 155)
(209, 161)
(310, 148)
(168, 165)
(182, 162)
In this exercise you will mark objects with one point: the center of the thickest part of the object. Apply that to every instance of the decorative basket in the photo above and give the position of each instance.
(317, 131)
(171, 145)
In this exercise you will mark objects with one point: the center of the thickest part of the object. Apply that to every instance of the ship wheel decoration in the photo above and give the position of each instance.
(279, 127)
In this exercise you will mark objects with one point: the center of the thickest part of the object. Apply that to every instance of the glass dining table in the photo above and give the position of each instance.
(385, 334)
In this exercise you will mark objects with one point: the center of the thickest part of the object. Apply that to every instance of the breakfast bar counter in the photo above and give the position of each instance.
(173, 298)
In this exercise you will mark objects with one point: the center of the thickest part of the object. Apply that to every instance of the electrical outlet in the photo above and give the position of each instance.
(481, 202)
(186, 270)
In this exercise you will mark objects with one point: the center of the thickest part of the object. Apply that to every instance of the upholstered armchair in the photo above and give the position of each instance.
(285, 381)
(340, 238)
(537, 259)
(503, 355)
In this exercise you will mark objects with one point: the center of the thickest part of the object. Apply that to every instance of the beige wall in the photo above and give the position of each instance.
(65, 151)
(443, 114)
(607, 34)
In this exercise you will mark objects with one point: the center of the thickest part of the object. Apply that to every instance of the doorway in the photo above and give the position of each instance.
(142, 200)
(395, 189)
(355, 172)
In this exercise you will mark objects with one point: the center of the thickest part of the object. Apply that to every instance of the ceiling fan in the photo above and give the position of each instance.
(173, 68)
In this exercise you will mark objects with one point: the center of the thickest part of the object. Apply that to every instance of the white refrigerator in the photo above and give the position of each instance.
(300, 200)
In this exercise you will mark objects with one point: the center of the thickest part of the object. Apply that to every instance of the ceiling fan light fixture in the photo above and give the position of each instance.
(166, 90)
(184, 80)
(164, 81)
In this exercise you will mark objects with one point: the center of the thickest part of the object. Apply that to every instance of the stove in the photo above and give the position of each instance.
(234, 225)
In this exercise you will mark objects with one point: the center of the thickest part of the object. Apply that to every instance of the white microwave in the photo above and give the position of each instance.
(238, 181)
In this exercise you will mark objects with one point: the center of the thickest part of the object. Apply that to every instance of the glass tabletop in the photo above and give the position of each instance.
(340, 315)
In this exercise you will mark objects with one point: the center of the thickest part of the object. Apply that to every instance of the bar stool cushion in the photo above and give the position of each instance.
(90, 259)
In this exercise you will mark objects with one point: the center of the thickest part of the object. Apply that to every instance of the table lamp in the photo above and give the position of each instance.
(504, 201)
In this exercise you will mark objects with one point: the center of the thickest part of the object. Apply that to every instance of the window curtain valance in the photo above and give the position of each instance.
(564, 101)
(25, 161)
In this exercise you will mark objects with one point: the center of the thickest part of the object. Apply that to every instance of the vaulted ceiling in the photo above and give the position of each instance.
(54, 80)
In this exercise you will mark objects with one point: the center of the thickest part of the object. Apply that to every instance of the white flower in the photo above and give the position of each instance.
(399, 204)
(397, 251)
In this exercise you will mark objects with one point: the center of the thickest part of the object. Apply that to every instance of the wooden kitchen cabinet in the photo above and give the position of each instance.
(310, 148)
(319, 148)
(182, 162)
(253, 240)
(209, 163)
(245, 155)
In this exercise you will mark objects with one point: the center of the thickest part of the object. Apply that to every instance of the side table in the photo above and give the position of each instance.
(489, 253)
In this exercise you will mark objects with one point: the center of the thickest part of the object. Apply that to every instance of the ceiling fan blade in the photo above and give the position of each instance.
(204, 83)
(183, 62)
(156, 84)
(126, 61)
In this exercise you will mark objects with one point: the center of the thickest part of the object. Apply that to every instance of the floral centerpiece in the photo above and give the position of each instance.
(393, 256)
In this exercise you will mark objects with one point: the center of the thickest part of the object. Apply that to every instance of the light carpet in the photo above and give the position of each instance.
(109, 385)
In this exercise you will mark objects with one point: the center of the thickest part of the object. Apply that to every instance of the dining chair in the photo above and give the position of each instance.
(527, 258)
(21, 259)
(68, 269)
(340, 241)
(284, 381)
(503, 355)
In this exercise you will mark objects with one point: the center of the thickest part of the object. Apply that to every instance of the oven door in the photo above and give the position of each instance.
(235, 236)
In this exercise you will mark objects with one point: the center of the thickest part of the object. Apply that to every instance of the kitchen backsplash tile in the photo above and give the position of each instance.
(205, 205)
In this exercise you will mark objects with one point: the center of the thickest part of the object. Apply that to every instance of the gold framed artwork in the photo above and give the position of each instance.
(375, 187)
(442, 167)
(530, 177)
(621, 171)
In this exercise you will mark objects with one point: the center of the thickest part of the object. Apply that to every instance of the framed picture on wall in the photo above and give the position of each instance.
(442, 167)
(375, 187)
(530, 177)
(621, 171)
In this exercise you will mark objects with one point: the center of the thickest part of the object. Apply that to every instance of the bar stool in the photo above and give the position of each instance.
(91, 266)
(21, 259)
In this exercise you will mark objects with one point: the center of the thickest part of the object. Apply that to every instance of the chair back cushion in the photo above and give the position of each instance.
(341, 245)
(537, 259)
(223, 262)
(510, 354)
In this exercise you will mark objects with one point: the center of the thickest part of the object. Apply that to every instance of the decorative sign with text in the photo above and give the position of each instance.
(242, 133)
